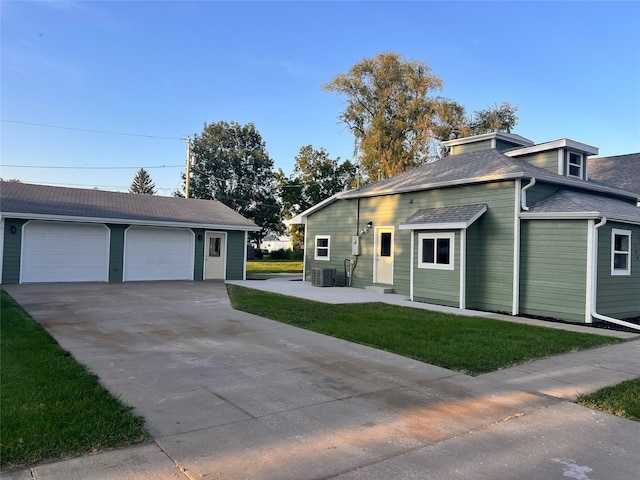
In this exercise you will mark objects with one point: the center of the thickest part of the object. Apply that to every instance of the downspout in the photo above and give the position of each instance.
(520, 204)
(413, 235)
(594, 281)
(523, 194)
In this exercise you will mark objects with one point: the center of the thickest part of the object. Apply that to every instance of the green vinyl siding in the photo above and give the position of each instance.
(490, 245)
(539, 192)
(618, 296)
(236, 247)
(11, 251)
(338, 221)
(198, 253)
(547, 160)
(503, 146)
(437, 286)
(553, 270)
(471, 147)
(116, 252)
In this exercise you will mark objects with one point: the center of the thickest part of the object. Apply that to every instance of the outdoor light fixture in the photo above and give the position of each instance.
(366, 228)
(13, 229)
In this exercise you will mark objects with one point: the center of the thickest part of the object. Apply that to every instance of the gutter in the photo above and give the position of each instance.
(593, 256)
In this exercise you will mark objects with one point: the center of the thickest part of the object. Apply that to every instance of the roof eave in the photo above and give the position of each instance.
(579, 216)
(128, 221)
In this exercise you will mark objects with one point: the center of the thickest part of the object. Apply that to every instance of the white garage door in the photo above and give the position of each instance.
(64, 252)
(158, 254)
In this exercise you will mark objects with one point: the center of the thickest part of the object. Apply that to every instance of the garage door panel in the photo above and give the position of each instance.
(64, 252)
(158, 254)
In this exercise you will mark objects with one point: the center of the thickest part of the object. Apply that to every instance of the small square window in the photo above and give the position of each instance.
(435, 250)
(322, 246)
(620, 252)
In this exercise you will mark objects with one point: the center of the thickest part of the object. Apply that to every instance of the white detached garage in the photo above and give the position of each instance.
(54, 234)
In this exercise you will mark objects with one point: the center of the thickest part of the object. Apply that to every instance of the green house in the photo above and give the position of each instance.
(500, 225)
(55, 234)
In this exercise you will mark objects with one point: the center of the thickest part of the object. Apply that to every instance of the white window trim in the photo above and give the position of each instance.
(580, 166)
(328, 248)
(435, 236)
(619, 271)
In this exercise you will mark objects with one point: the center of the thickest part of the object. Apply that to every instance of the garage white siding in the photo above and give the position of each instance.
(64, 252)
(158, 254)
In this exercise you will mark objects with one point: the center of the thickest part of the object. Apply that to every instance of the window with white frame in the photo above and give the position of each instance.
(323, 243)
(620, 252)
(575, 165)
(436, 250)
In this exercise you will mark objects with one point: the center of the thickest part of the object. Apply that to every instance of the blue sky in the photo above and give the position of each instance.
(163, 69)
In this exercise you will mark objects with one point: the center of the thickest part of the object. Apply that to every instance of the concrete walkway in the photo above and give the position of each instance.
(231, 395)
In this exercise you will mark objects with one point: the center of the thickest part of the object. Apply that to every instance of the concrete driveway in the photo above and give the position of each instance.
(230, 395)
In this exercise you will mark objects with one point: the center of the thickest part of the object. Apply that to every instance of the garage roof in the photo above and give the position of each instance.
(23, 200)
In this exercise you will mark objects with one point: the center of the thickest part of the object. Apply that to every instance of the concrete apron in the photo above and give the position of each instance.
(226, 394)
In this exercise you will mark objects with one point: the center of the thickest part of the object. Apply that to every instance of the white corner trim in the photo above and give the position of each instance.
(462, 302)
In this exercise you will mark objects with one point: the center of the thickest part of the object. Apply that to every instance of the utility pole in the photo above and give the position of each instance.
(186, 178)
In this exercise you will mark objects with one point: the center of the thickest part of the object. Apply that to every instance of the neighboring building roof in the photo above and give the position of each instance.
(461, 216)
(620, 171)
(575, 204)
(23, 200)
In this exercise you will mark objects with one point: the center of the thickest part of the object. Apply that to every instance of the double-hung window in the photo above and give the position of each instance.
(575, 165)
(322, 246)
(436, 250)
(620, 252)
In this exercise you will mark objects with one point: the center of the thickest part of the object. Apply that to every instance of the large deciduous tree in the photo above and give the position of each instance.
(142, 183)
(231, 164)
(389, 111)
(396, 120)
(315, 177)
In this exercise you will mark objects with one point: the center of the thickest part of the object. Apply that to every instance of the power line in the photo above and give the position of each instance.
(92, 168)
(93, 131)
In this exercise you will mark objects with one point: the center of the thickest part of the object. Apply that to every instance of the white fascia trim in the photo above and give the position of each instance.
(129, 221)
(562, 143)
(578, 216)
(434, 226)
(509, 137)
(301, 218)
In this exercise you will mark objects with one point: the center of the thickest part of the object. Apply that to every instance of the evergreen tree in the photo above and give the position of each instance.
(142, 184)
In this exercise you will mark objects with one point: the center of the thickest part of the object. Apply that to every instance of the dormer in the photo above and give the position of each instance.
(564, 157)
(501, 141)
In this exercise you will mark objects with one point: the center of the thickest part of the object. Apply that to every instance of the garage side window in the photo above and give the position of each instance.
(435, 250)
(620, 252)
(322, 247)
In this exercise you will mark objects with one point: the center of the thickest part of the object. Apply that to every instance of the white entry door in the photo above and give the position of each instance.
(214, 256)
(383, 261)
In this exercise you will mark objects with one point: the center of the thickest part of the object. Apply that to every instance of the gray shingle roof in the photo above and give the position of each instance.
(460, 215)
(467, 168)
(25, 200)
(575, 202)
(621, 171)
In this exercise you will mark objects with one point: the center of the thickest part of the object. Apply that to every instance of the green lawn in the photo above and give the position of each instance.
(622, 400)
(465, 344)
(51, 407)
(267, 265)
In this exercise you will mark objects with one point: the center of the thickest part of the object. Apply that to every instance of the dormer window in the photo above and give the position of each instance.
(575, 165)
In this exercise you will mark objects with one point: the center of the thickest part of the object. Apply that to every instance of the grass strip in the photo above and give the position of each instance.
(622, 399)
(470, 345)
(274, 266)
(52, 407)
